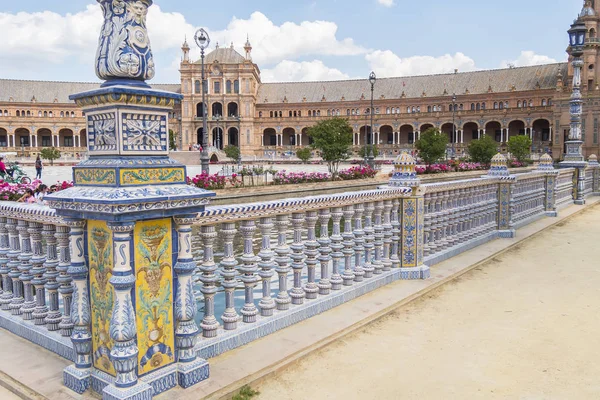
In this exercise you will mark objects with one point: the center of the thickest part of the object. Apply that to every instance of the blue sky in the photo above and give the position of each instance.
(55, 40)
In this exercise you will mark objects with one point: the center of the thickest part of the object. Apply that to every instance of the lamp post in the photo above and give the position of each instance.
(180, 132)
(203, 40)
(372, 80)
(453, 123)
(573, 157)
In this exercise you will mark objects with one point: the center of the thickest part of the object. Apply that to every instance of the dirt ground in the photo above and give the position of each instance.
(523, 326)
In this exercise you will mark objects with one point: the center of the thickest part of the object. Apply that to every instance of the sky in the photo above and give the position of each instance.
(300, 40)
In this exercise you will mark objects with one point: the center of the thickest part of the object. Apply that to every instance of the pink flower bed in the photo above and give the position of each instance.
(451, 167)
(14, 191)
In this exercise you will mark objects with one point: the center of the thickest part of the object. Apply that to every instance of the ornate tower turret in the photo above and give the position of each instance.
(248, 49)
(185, 48)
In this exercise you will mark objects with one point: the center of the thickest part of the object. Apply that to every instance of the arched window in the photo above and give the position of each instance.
(39, 114)
(228, 87)
(353, 111)
(428, 109)
(530, 103)
(495, 105)
(418, 109)
(299, 113)
(408, 110)
(50, 114)
(549, 102)
(348, 111)
(506, 104)
(501, 105)
(519, 104)
(18, 113)
(472, 106)
(62, 114)
(280, 114)
(543, 102)
(478, 107)
(236, 86)
(72, 114)
(460, 107)
(329, 113)
(271, 114)
(45, 114)
(318, 113)
(450, 108)
(483, 106)
(28, 113)
(358, 111)
(198, 86)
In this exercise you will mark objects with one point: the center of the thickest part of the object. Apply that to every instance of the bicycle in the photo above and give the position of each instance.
(17, 176)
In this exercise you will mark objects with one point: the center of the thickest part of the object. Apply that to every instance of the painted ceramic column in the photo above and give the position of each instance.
(412, 238)
(348, 237)
(230, 317)
(64, 279)
(377, 262)
(25, 268)
(324, 251)
(369, 239)
(336, 245)
(14, 274)
(248, 272)
(499, 170)
(208, 278)
(297, 293)
(186, 330)
(359, 249)
(311, 289)
(593, 163)
(54, 316)
(282, 259)
(394, 258)
(266, 264)
(38, 270)
(77, 377)
(387, 235)
(7, 292)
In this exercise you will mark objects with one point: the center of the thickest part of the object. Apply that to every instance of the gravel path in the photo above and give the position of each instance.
(523, 326)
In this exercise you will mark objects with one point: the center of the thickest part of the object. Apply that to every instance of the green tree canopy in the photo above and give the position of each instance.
(432, 145)
(232, 152)
(50, 153)
(365, 150)
(304, 154)
(520, 147)
(333, 138)
(172, 140)
(482, 150)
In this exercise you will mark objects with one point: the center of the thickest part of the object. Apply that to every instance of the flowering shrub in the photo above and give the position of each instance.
(359, 172)
(285, 178)
(209, 182)
(516, 164)
(14, 191)
(450, 167)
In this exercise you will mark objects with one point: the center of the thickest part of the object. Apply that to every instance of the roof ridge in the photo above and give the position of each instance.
(71, 82)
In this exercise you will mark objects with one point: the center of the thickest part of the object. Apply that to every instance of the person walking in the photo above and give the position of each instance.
(38, 167)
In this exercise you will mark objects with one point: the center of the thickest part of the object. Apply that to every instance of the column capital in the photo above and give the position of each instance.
(121, 227)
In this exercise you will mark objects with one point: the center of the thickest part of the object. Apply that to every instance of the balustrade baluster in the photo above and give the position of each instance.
(337, 247)
(378, 229)
(7, 293)
(248, 272)
(282, 259)
(324, 251)
(387, 235)
(359, 249)
(369, 239)
(25, 269)
(208, 278)
(311, 289)
(445, 220)
(395, 259)
(54, 316)
(38, 270)
(15, 250)
(297, 293)
(64, 279)
(348, 237)
(266, 265)
(230, 317)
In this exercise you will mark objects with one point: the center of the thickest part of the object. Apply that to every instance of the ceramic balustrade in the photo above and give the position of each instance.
(588, 181)
(528, 197)
(565, 187)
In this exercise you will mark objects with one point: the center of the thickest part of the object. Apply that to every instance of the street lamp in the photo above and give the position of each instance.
(203, 41)
(372, 80)
(453, 124)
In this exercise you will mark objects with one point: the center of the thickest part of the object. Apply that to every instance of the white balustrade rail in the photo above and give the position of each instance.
(564, 187)
(528, 198)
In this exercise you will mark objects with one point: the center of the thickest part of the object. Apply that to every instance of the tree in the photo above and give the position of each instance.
(172, 140)
(333, 138)
(520, 147)
(482, 150)
(232, 152)
(365, 150)
(50, 153)
(304, 154)
(432, 145)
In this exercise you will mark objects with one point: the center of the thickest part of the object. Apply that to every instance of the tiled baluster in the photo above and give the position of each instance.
(14, 274)
(445, 220)
(7, 293)
(348, 237)
(186, 329)
(266, 265)
(336, 245)
(387, 235)
(25, 269)
(282, 259)
(369, 239)
(248, 272)
(209, 323)
(38, 270)
(230, 317)
(54, 315)
(64, 279)
(377, 263)
(324, 251)
(433, 244)
(311, 289)
(297, 293)
(359, 249)
(395, 259)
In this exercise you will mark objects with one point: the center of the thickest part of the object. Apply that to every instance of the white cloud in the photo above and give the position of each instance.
(528, 58)
(292, 71)
(386, 3)
(387, 64)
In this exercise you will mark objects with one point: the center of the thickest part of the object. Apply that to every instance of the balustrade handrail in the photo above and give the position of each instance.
(458, 184)
(31, 212)
(220, 214)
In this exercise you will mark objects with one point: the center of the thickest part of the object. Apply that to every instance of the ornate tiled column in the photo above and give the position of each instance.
(324, 251)
(546, 165)
(230, 317)
(499, 170)
(266, 264)
(7, 292)
(348, 242)
(282, 259)
(127, 194)
(297, 293)
(248, 272)
(54, 315)
(17, 299)
(64, 279)
(411, 218)
(25, 269)
(336, 246)
(38, 270)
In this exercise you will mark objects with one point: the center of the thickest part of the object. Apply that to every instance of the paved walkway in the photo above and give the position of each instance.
(524, 325)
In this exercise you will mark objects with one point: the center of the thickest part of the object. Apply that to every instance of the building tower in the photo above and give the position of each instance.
(248, 49)
(185, 48)
(590, 16)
